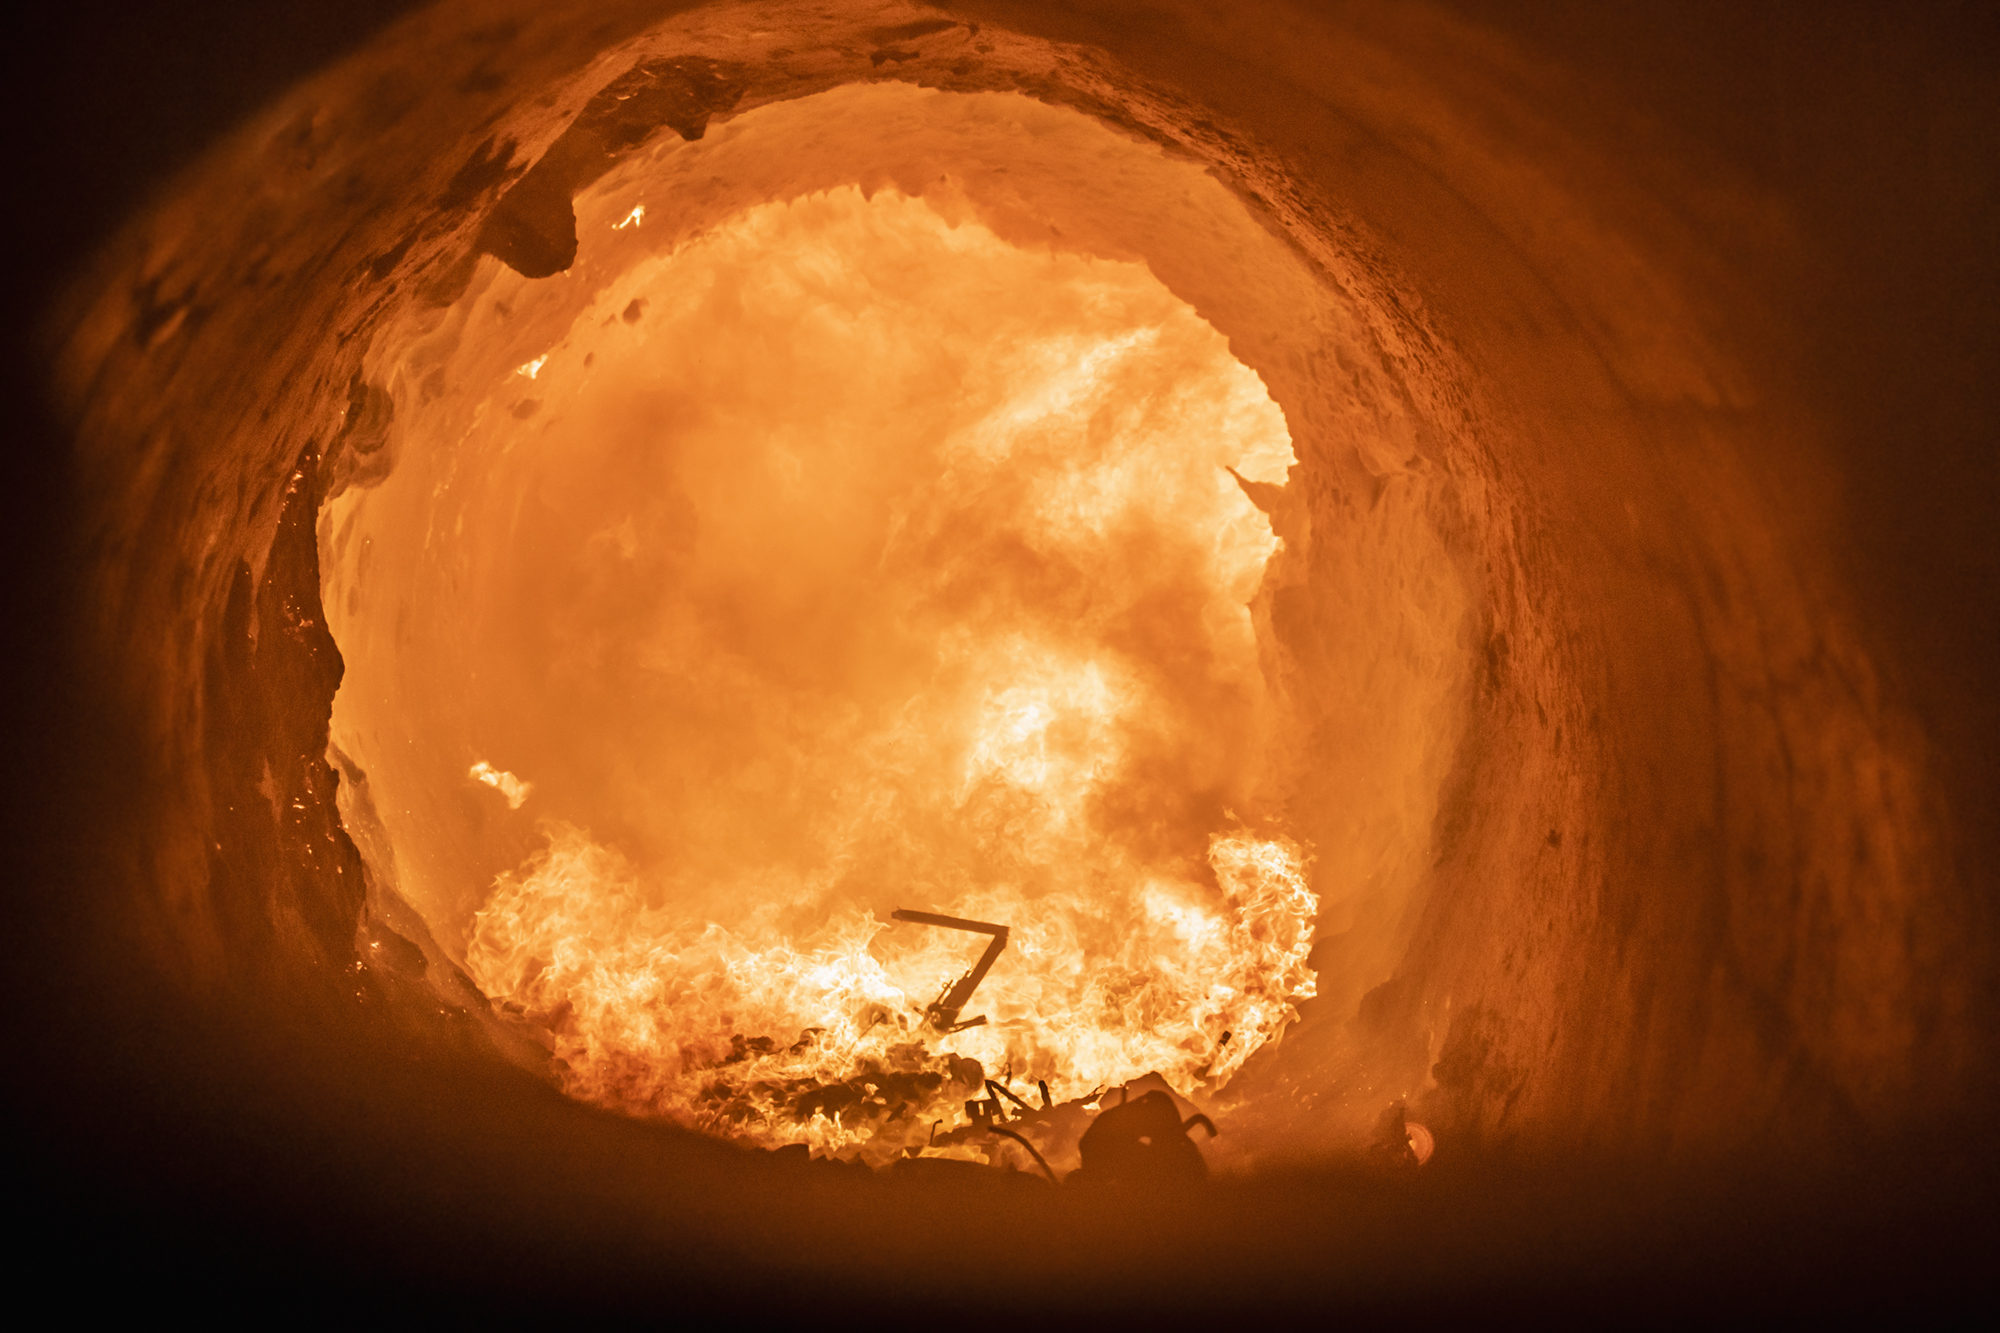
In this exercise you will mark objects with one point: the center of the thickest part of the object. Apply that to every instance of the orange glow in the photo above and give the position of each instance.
(922, 580)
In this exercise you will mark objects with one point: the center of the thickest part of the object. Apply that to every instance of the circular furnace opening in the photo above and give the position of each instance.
(896, 505)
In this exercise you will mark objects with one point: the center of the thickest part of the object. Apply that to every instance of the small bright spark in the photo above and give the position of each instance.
(509, 786)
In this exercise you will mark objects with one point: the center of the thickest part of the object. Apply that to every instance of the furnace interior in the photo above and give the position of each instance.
(1621, 848)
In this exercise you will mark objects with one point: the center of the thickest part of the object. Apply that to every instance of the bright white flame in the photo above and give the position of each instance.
(632, 219)
(533, 368)
(509, 786)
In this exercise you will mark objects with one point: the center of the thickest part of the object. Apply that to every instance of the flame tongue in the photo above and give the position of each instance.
(975, 640)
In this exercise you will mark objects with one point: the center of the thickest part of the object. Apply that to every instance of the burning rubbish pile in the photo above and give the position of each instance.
(893, 1105)
(822, 1047)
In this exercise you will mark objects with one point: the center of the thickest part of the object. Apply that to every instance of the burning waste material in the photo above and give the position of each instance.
(830, 1045)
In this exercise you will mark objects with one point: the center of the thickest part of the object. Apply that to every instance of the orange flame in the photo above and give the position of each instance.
(706, 1027)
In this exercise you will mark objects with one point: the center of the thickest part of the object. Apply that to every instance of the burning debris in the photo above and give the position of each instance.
(1141, 1139)
(825, 1041)
(942, 1015)
(883, 1089)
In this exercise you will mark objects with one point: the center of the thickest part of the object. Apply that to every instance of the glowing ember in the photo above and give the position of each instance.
(904, 568)
(509, 786)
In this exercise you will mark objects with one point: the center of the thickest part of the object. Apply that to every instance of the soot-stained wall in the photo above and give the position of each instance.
(1699, 876)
